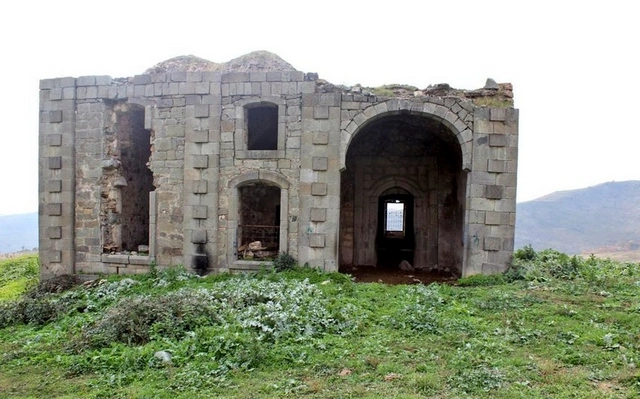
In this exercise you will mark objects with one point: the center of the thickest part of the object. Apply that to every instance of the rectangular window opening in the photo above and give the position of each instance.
(394, 219)
(262, 127)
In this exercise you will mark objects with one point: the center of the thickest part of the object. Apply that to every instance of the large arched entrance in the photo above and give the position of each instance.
(403, 193)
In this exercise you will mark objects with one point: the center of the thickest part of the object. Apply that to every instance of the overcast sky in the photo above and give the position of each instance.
(574, 66)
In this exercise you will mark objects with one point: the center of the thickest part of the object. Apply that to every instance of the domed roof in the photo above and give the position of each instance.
(256, 61)
(184, 63)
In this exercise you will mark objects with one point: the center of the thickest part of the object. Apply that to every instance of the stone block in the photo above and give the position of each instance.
(237, 77)
(476, 216)
(66, 82)
(104, 91)
(55, 116)
(284, 163)
(140, 260)
(194, 76)
(199, 136)
(320, 138)
(55, 162)
(503, 230)
(295, 76)
(142, 79)
(178, 77)
(53, 140)
(55, 256)
(498, 140)
(492, 268)
(319, 189)
(227, 137)
(86, 81)
(47, 84)
(317, 240)
(492, 243)
(293, 142)
(200, 161)
(497, 114)
(274, 76)
(321, 112)
(493, 218)
(318, 214)
(199, 236)
(103, 80)
(118, 259)
(328, 99)
(54, 232)
(54, 209)
(55, 94)
(202, 88)
(494, 192)
(257, 76)
(199, 212)
(482, 204)
(200, 187)
(68, 93)
(53, 186)
(506, 205)
(496, 166)
(192, 99)
(201, 111)
(507, 179)
(320, 163)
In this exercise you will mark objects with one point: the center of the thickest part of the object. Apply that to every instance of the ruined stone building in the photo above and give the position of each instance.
(220, 167)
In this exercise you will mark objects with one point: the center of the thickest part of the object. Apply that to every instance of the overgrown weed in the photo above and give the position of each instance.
(554, 325)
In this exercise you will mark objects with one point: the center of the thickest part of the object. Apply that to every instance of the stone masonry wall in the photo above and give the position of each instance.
(491, 196)
(199, 160)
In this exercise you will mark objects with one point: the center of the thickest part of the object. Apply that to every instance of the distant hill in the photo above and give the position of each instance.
(601, 219)
(18, 232)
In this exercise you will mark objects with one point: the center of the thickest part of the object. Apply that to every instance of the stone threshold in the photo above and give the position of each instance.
(121, 259)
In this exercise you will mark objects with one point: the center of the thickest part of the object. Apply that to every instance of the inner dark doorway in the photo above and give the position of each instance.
(395, 238)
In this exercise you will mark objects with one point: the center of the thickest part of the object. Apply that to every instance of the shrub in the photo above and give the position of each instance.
(135, 321)
(525, 253)
(270, 310)
(284, 261)
(35, 307)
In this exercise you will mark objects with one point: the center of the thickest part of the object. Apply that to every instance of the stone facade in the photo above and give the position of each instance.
(189, 168)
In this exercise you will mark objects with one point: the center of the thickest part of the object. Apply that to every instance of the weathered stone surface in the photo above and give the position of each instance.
(168, 164)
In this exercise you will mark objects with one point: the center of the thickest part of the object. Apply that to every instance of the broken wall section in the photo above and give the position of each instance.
(127, 181)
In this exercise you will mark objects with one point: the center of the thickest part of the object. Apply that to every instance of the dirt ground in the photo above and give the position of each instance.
(367, 274)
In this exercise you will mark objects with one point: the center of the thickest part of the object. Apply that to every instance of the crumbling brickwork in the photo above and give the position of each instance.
(176, 166)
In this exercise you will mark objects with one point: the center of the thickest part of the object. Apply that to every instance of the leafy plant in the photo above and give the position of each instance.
(284, 261)
(526, 253)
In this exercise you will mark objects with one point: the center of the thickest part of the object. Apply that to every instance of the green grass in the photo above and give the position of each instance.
(553, 326)
(16, 274)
